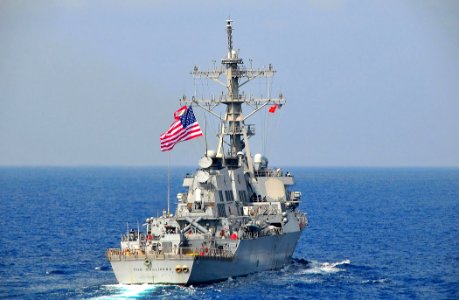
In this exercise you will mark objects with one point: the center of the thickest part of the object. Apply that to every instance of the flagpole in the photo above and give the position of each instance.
(178, 132)
(169, 185)
(205, 132)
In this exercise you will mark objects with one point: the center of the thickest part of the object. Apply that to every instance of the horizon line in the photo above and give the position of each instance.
(194, 166)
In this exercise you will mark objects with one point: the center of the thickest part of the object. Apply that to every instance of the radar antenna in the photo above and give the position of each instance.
(233, 122)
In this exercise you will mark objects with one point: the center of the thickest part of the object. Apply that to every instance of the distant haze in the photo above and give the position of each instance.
(367, 83)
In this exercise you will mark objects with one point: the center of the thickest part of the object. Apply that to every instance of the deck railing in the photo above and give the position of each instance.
(185, 253)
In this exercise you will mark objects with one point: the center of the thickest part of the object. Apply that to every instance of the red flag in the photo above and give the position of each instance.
(273, 108)
(186, 127)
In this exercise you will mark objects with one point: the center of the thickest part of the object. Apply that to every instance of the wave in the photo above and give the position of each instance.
(375, 281)
(300, 261)
(56, 272)
(316, 267)
(343, 262)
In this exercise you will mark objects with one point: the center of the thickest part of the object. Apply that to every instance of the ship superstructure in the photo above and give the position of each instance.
(238, 215)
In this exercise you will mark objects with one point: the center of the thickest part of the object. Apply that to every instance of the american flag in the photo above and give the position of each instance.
(186, 127)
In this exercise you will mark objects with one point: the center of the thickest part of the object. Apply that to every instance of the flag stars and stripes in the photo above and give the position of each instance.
(186, 127)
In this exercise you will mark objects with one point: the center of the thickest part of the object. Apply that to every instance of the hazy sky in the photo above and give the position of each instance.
(367, 83)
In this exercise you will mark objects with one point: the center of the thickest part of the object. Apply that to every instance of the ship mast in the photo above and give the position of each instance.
(233, 122)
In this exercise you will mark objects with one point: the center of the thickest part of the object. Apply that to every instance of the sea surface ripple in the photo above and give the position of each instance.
(373, 233)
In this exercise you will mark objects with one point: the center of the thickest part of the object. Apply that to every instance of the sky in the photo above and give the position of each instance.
(94, 83)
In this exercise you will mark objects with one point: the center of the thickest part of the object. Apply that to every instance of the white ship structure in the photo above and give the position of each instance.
(238, 215)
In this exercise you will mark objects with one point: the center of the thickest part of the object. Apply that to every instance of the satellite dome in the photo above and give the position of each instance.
(211, 153)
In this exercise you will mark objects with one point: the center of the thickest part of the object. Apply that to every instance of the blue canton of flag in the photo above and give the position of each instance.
(188, 118)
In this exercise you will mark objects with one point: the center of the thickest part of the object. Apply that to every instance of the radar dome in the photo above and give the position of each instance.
(211, 153)
(259, 162)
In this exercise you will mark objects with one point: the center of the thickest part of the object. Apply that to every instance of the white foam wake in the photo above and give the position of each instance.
(381, 280)
(316, 267)
(127, 291)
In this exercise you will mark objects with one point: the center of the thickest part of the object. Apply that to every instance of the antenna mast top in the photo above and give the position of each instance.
(235, 75)
(229, 31)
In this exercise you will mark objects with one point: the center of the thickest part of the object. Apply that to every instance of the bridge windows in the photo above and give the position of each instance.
(221, 209)
(220, 196)
(229, 195)
(243, 196)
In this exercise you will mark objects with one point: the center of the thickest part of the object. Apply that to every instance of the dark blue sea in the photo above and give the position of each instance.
(373, 234)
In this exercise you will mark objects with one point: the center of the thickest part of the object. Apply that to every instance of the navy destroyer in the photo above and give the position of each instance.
(238, 215)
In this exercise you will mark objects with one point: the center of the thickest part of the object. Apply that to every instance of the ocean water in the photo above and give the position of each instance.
(373, 233)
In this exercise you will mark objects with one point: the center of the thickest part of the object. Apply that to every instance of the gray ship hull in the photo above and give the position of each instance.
(265, 253)
(252, 255)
